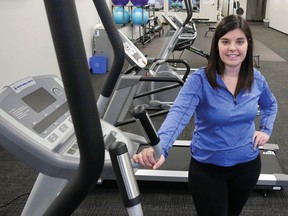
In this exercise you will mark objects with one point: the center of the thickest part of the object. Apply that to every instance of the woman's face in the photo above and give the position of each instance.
(233, 48)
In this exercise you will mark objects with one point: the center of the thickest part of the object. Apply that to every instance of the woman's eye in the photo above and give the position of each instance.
(241, 42)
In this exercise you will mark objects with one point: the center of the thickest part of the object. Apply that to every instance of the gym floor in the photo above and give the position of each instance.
(170, 199)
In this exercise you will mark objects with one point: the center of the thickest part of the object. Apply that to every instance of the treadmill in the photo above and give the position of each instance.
(175, 168)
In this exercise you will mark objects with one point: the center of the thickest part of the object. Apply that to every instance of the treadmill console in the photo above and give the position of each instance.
(172, 25)
(133, 54)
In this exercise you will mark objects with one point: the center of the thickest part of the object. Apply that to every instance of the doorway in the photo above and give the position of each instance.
(256, 10)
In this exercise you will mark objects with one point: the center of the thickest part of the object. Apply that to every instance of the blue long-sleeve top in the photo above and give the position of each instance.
(224, 125)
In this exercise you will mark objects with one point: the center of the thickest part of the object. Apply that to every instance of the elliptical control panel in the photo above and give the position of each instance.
(38, 108)
(36, 125)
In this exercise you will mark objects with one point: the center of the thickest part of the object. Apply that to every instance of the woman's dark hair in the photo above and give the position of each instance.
(215, 63)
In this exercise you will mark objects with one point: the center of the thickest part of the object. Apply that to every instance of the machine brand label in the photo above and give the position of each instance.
(269, 153)
(22, 84)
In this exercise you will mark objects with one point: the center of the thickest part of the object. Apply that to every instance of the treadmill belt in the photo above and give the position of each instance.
(270, 164)
(174, 162)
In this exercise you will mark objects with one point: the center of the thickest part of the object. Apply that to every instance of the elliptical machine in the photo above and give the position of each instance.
(50, 126)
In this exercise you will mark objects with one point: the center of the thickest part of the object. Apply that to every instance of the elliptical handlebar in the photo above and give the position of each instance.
(147, 127)
(117, 46)
(71, 56)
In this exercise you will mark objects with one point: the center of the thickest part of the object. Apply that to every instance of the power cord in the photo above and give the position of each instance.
(13, 200)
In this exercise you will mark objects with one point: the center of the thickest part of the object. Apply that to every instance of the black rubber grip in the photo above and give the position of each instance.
(139, 112)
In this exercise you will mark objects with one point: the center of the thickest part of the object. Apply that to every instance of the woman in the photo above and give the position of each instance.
(224, 96)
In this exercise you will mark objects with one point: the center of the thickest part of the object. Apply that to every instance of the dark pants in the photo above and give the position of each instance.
(220, 190)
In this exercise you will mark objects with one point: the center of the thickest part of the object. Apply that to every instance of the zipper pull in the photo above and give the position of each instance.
(235, 102)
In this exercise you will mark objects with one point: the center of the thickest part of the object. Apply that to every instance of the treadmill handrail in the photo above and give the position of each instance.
(189, 12)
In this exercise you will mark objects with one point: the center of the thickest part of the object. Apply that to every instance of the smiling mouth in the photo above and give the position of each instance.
(232, 56)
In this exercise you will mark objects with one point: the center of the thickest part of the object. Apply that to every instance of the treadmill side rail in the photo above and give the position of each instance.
(282, 180)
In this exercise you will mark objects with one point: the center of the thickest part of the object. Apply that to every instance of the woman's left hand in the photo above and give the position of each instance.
(260, 138)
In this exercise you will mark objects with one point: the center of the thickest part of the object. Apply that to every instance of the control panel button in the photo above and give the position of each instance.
(63, 127)
(53, 137)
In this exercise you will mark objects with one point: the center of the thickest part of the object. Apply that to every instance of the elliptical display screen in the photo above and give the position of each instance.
(39, 99)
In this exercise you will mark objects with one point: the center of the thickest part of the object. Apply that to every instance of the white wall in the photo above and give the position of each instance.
(208, 10)
(224, 5)
(26, 47)
(277, 14)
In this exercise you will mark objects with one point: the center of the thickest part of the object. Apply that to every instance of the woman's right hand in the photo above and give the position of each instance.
(146, 158)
